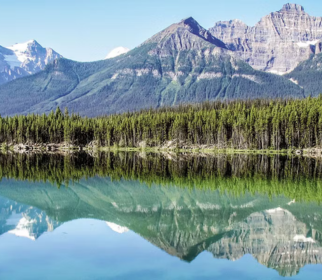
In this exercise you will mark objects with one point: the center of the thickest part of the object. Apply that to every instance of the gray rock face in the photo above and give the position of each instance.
(277, 43)
(185, 35)
(24, 59)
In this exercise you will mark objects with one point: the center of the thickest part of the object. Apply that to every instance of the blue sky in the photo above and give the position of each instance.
(88, 30)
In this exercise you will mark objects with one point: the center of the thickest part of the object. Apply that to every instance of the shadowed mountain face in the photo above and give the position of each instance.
(184, 63)
(279, 233)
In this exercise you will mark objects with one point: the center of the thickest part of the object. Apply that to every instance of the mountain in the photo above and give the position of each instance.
(184, 63)
(24, 59)
(116, 52)
(280, 234)
(277, 43)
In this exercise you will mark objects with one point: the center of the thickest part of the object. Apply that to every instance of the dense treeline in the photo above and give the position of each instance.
(295, 177)
(259, 124)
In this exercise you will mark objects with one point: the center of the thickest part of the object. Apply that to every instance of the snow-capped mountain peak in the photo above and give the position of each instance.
(19, 54)
(23, 59)
(22, 47)
(116, 52)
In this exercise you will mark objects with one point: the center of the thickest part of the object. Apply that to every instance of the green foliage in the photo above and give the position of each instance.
(258, 124)
(308, 75)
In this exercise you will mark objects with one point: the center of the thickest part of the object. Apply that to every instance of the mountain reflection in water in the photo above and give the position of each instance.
(280, 232)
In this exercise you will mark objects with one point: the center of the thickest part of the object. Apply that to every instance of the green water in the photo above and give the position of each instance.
(242, 219)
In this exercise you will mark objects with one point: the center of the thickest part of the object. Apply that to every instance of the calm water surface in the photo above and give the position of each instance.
(105, 228)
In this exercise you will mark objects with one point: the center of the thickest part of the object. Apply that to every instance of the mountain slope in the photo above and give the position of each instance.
(308, 75)
(183, 63)
(277, 43)
(24, 59)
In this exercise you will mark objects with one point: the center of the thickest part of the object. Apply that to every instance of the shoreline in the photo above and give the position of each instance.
(192, 150)
(203, 149)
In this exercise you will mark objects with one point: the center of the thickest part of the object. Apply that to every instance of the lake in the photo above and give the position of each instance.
(160, 216)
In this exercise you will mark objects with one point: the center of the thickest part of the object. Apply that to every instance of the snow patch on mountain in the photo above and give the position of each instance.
(117, 228)
(116, 52)
(302, 238)
(276, 210)
(276, 72)
(307, 44)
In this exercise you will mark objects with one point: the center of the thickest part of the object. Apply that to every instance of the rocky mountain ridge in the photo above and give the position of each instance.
(277, 43)
(184, 63)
